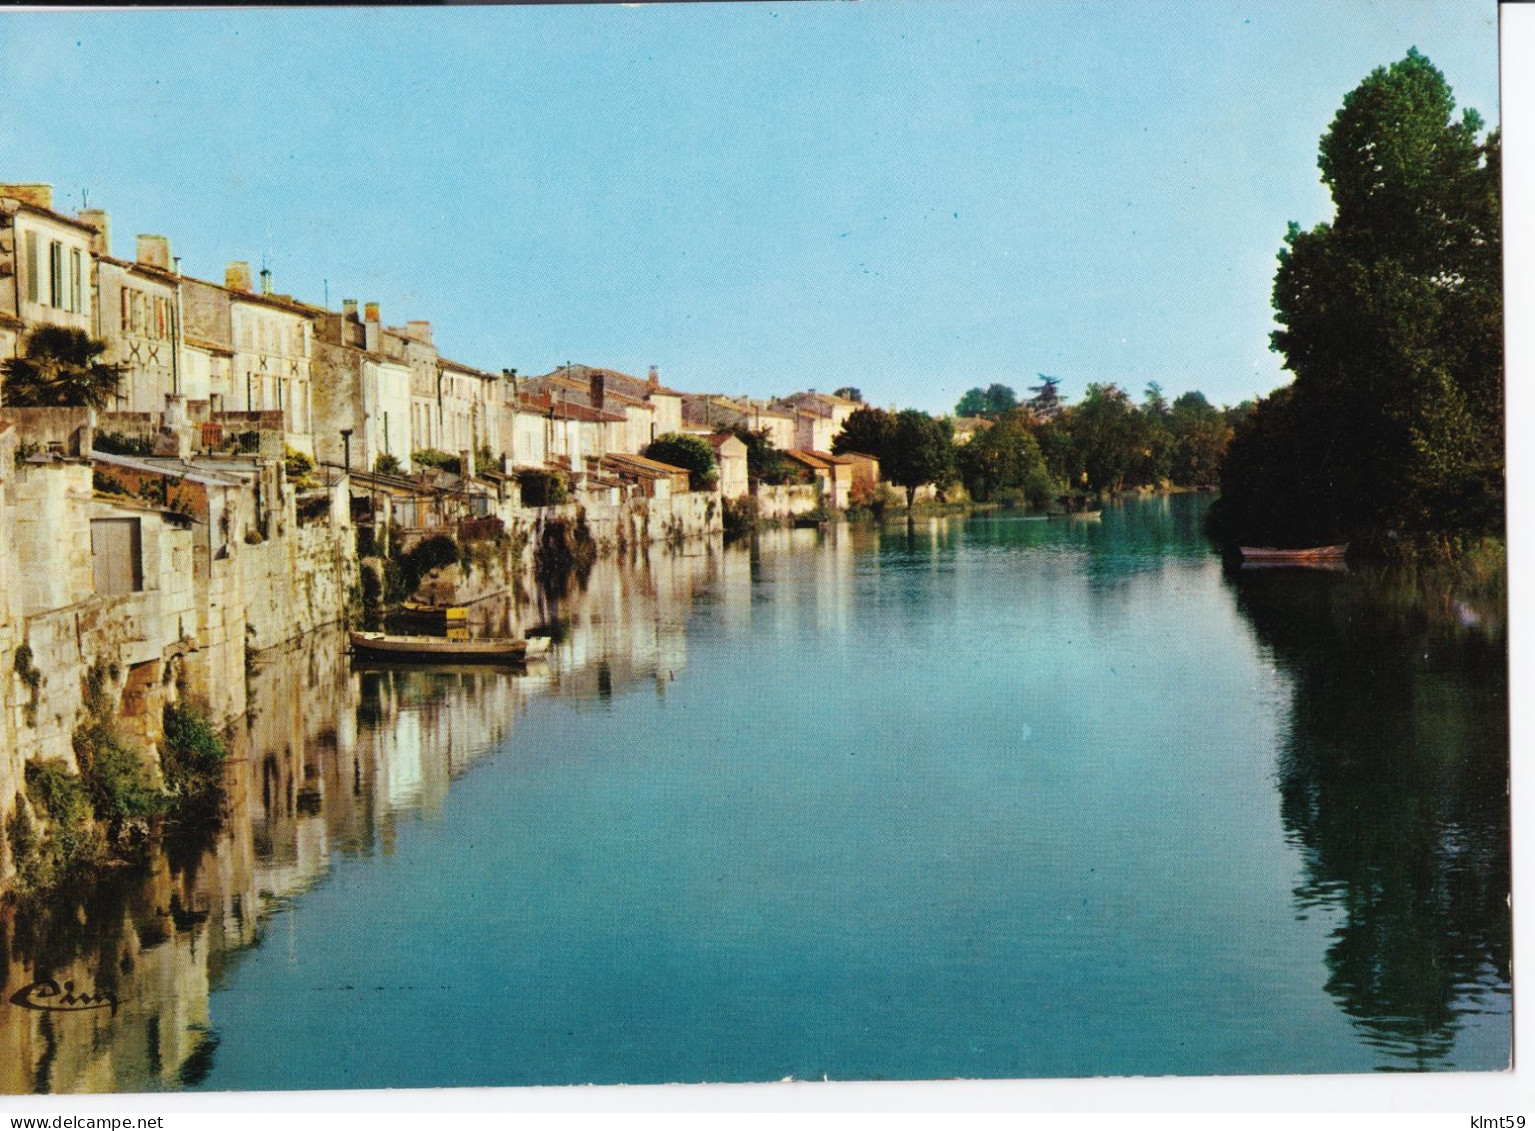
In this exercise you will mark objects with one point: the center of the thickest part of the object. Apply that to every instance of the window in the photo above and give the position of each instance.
(76, 291)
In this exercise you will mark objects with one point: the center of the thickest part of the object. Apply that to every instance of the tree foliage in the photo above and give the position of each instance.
(1004, 463)
(989, 402)
(690, 452)
(60, 368)
(764, 462)
(868, 430)
(921, 452)
(1391, 320)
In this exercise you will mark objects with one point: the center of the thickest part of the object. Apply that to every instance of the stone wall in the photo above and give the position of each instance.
(296, 581)
(53, 535)
(39, 427)
(783, 504)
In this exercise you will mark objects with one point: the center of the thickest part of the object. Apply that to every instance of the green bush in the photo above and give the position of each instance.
(298, 466)
(432, 457)
(542, 488)
(191, 753)
(105, 483)
(68, 841)
(116, 777)
(386, 464)
(115, 443)
(432, 553)
(566, 551)
(690, 452)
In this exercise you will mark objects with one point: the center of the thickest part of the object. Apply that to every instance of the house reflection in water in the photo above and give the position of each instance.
(329, 761)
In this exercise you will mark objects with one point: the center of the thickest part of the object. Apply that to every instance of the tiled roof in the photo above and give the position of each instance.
(205, 344)
(584, 373)
(158, 273)
(810, 460)
(717, 440)
(627, 461)
(470, 369)
(50, 214)
(285, 303)
(827, 457)
(544, 405)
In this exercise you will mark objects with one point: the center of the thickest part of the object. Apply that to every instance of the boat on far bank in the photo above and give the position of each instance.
(1311, 555)
(438, 649)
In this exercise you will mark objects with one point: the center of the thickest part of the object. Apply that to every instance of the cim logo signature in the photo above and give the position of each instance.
(47, 995)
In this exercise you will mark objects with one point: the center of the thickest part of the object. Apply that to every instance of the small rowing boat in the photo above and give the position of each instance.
(1308, 556)
(438, 649)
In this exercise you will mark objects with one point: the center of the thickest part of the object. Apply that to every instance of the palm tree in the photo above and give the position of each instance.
(60, 369)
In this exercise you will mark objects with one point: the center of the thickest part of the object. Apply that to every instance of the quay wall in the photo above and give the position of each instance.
(221, 584)
(785, 503)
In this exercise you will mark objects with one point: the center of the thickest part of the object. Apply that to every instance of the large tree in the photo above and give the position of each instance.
(868, 430)
(921, 451)
(1005, 460)
(1113, 440)
(1391, 321)
(60, 368)
(1198, 437)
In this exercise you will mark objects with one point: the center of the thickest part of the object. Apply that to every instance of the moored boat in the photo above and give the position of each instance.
(437, 649)
(1270, 554)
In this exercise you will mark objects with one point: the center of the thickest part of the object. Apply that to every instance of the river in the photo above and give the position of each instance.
(987, 797)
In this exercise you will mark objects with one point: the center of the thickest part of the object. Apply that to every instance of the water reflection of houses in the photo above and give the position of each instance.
(627, 625)
(328, 761)
(827, 601)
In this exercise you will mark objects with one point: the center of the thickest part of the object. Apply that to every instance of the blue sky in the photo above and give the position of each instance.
(909, 197)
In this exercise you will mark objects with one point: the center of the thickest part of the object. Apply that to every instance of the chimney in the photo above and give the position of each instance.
(237, 276)
(155, 251)
(599, 388)
(349, 309)
(370, 313)
(421, 331)
(466, 463)
(655, 377)
(101, 242)
(38, 196)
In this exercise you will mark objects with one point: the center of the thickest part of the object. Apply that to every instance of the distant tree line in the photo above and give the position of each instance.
(1030, 452)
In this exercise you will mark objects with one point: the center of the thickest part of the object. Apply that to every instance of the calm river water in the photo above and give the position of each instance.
(994, 797)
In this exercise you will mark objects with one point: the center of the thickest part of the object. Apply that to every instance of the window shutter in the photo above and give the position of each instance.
(33, 267)
(55, 274)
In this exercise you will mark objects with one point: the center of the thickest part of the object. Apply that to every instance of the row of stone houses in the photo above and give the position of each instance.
(346, 388)
(805, 421)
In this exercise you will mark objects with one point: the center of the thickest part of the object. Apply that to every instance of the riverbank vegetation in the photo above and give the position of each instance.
(1390, 436)
(68, 824)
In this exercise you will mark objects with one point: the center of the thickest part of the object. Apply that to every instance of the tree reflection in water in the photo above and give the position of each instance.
(1393, 784)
